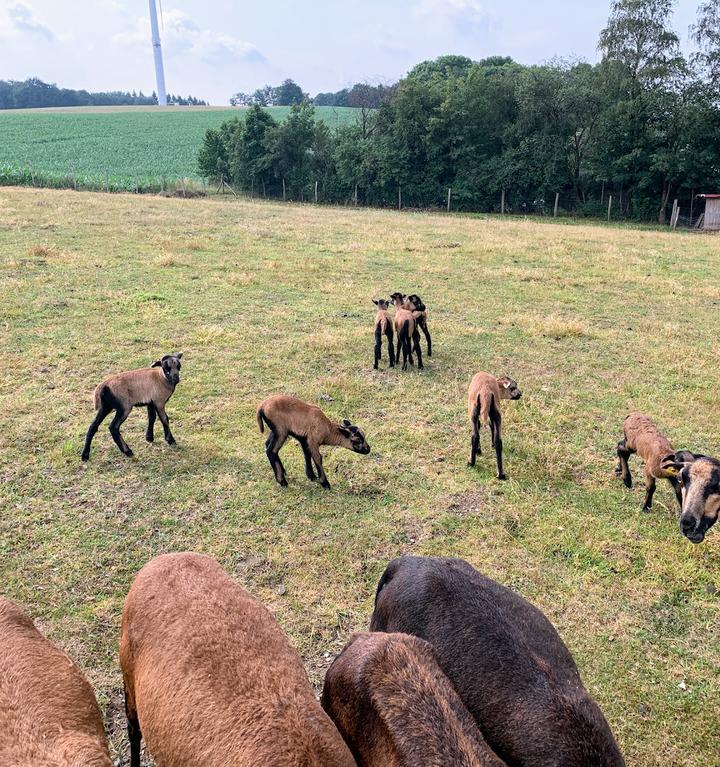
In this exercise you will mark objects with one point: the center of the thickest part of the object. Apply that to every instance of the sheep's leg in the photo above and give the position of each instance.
(623, 468)
(378, 347)
(475, 438)
(121, 415)
(134, 732)
(102, 414)
(309, 473)
(317, 457)
(495, 424)
(650, 485)
(166, 424)
(416, 344)
(426, 333)
(391, 350)
(272, 447)
(678, 490)
(152, 415)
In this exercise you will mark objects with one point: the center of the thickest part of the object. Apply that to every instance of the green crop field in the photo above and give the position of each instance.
(592, 321)
(133, 145)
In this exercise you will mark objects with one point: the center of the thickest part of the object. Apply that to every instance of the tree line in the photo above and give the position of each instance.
(34, 93)
(643, 124)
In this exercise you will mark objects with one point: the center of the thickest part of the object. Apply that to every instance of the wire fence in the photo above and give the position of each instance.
(611, 205)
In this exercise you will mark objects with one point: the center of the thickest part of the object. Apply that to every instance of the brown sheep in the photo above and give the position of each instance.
(147, 387)
(291, 417)
(504, 658)
(484, 397)
(210, 678)
(643, 437)
(699, 477)
(395, 707)
(406, 329)
(383, 327)
(48, 713)
(414, 303)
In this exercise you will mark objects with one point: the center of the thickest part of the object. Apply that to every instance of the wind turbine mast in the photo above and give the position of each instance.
(157, 51)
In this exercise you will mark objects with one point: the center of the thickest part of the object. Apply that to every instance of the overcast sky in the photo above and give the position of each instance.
(216, 47)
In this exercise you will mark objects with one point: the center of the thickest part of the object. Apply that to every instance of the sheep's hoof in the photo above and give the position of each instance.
(84, 458)
(502, 476)
(171, 442)
(149, 438)
(421, 367)
(325, 485)
(646, 510)
(471, 464)
(283, 482)
(627, 481)
(129, 453)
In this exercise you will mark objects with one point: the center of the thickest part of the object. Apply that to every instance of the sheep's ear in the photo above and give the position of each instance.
(156, 364)
(347, 424)
(353, 429)
(674, 463)
(375, 302)
(344, 432)
(507, 383)
(179, 356)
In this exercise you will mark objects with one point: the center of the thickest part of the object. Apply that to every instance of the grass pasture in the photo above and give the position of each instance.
(591, 320)
(134, 145)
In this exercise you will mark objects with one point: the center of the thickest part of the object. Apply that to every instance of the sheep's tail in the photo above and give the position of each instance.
(98, 395)
(260, 415)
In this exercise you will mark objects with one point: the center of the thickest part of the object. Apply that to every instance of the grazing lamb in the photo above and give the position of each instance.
(210, 678)
(48, 713)
(147, 387)
(505, 659)
(643, 437)
(699, 478)
(414, 303)
(396, 708)
(291, 417)
(383, 327)
(406, 329)
(484, 397)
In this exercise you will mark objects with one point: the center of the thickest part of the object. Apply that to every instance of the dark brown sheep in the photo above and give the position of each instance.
(699, 478)
(396, 708)
(643, 437)
(484, 397)
(210, 678)
(383, 327)
(414, 303)
(147, 387)
(505, 659)
(406, 329)
(48, 713)
(291, 417)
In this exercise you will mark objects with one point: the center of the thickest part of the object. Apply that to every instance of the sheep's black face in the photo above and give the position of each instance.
(356, 437)
(381, 303)
(700, 483)
(397, 297)
(416, 301)
(509, 388)
(171, 367)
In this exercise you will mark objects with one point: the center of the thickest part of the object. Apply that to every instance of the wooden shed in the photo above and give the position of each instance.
(711, 217)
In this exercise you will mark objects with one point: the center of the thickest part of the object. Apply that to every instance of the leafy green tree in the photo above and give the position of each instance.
(249, 155)
(706, 34)
(213, 158)
(288, 94)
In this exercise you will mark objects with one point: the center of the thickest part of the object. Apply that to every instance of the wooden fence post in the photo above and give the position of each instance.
(356, 196)
(502, 202)
(602, 194)
(675, 214)
(316, 192)
(692, 204)
(284, 198)
(400, 197)
(557, 200)
(449, 195)
(609, 205)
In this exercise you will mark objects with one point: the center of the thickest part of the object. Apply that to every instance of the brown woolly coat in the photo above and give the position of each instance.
(396, 708)
(483, 388)
(290, 415)
(383, 320)
(137, 387)
(48, 713)
(643, 437)
(213, 678)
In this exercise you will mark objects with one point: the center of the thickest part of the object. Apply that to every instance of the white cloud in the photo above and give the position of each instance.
(467, 16)
(181, 36)
(20, 20)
